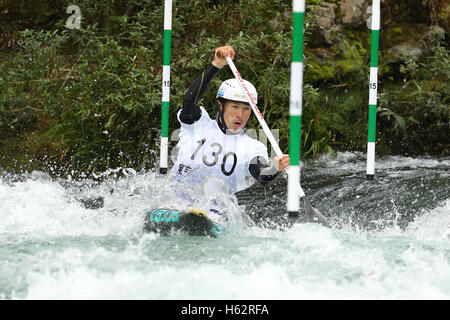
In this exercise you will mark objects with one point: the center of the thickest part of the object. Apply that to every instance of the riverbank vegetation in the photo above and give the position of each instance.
(77, 101)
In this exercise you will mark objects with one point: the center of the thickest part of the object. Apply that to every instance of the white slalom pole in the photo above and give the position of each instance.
(295, 108)
(258, 114)
(313, 214)
(373, 87)
(164, 150)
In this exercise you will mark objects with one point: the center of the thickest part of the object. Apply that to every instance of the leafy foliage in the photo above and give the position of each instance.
(420, 107)
(95, 93)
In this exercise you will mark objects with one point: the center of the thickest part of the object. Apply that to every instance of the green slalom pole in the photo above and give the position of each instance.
(164, 150)
(373, 87)
(311, 214)
(295, 109)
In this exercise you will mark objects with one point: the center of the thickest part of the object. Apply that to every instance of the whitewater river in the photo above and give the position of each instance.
(390, 237)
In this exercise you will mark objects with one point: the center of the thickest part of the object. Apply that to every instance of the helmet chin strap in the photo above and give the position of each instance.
(221, 122)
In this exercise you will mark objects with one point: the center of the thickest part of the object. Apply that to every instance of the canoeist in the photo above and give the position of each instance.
(220, 147)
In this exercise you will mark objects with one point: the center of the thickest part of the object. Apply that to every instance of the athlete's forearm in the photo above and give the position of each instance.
(191, 111)
(261, 171)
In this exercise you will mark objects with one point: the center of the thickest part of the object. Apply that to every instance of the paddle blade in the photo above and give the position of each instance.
(312, 214)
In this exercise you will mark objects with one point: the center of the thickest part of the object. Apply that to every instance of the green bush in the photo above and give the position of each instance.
(96, 91)
(416, 114)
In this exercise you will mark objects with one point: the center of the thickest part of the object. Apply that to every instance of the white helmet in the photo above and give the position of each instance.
(231, 90)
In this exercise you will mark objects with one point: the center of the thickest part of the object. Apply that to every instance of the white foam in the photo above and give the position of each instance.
(43, 207)
(102, 254)
(332, 265)
(357, 160)
(432, 225)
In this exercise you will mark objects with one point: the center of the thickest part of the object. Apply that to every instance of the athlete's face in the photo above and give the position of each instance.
(236, 115)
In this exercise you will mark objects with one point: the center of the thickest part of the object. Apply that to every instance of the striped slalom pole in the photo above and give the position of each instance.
(295, 109)
(312, 214)
(373, 86)
(164, 150)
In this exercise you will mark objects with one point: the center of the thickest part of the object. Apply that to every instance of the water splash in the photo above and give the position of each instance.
(390, 238)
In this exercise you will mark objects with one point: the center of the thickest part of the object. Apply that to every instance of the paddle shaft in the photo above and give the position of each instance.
(259, 116)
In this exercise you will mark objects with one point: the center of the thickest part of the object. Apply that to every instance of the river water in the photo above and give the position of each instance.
(390, 237)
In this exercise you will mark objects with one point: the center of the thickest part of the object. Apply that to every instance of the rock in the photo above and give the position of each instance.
(326, 16)
(326, 23)
(354, 12)
(406, 50)
(434, 34)
(416, 49)
(283, 17)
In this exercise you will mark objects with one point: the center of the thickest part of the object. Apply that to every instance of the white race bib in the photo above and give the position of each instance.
(204, 150)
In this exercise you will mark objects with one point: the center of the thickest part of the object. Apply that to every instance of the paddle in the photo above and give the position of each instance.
(312, 214)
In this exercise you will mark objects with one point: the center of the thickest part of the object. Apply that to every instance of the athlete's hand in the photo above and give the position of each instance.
(282, 162)
(220, 54)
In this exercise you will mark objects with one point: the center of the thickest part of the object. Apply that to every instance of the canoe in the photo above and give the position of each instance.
(192, 222)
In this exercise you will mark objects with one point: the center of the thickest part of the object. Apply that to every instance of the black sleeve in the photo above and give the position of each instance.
(261, 171)
(191, 111)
